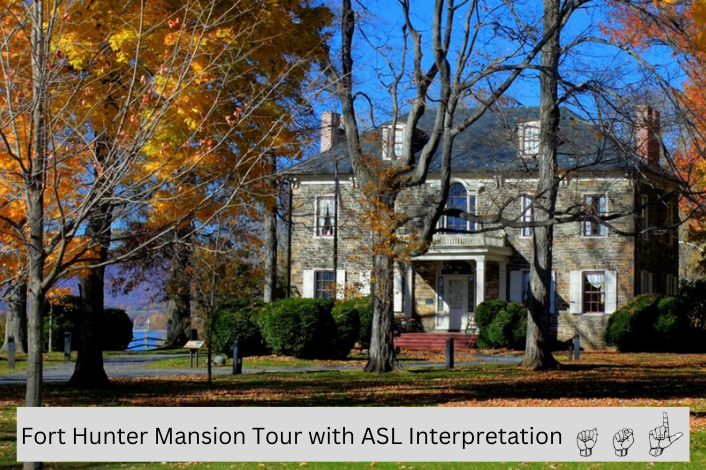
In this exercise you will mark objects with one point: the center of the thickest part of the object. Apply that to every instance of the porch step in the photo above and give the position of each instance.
(424, 341)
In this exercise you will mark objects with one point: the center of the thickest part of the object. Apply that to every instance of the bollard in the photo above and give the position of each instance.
(11, 352)
(577, 346)
(449, 353)
(237, 360)
(571, 351)
(67, 345)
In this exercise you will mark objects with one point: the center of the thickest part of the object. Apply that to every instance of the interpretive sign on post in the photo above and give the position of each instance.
(193, 347)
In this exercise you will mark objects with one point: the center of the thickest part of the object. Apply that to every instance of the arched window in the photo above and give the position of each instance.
(459, 199)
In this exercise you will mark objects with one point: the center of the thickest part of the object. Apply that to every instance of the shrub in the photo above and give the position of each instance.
(299, 327)
(484, 315)
(346, 317)
(507, 328)
(692, 295)
(237, 320)
(116, 330)
(644, 324)
(66, 316)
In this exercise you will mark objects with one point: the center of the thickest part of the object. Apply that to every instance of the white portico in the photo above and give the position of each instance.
(457, 268)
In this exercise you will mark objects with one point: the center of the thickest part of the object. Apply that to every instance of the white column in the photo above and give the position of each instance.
(480, 280)
(503, 280)
(397, 289)
(409, 291)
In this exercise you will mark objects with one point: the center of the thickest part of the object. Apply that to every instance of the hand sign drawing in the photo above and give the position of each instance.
(660, 438)
(586, 440)
(622, 440)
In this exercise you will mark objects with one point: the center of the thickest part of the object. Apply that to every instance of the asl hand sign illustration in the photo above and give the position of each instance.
(586, 440)
(622, 440)
(660, 438)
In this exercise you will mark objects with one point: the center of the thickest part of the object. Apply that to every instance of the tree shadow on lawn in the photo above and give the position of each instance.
(420, 388)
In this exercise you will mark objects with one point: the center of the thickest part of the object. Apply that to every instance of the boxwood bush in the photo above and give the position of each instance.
(648, 323)
(502, 324)
(347, 318)
(299, 327)
(237, 320)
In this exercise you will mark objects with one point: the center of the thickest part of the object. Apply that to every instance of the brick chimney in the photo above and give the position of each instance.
(332, 132)
(647, 134)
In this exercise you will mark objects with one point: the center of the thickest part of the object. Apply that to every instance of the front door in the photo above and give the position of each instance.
(454, 297)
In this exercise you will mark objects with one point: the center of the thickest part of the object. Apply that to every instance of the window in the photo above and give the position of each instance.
(594, 292)
(527, 215)
(594, 206)
(529, 138)
(645, 215)
(671, 230)
(393, 142)
(672, 284)
(645, 282)
(325, 216)
(325, 285)
(459, 199)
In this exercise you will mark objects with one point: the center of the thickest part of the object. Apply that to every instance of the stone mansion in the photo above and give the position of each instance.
(597, 268)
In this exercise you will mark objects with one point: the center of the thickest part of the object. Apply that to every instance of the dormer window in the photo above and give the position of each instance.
(392, 142)
(529, 139)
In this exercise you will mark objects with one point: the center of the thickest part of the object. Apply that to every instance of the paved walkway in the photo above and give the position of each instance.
(134, 367)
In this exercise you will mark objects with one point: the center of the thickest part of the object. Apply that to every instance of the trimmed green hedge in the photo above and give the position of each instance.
(237, 320)
(299, 327)
(502, 324)
(347, 318)
(649, 323)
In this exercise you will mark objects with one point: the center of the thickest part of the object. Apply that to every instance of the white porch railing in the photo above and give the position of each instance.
(476, 239)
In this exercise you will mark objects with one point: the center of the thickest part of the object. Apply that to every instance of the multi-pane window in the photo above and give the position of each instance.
(459, 199)
(594, 292)
(325, 216)
(672, 284)
(595, 206)
(645, 215)
(530, 139)
(325, 285)
(527, 215)
(393, 142)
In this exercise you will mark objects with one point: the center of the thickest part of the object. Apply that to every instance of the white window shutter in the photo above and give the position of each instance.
(308, 288)
(364, 279)
(576, 305)
(516, 286)
(552, 294)
(341, 284)
(397, 287)
(611, 291)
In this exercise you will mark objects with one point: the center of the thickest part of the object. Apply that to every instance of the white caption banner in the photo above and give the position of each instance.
(352, 434)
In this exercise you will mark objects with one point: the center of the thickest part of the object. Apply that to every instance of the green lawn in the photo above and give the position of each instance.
(599, 380)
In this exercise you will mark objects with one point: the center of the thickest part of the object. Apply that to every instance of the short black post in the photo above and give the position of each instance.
(577, 346)
(11, 352)
(237, 360)
(449, 353)
(571, 351)
(191, 358)
(67, 345)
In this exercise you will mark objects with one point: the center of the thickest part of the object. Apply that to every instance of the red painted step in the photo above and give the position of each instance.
(425, 341)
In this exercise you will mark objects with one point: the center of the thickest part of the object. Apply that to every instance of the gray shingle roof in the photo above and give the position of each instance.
(491, 144)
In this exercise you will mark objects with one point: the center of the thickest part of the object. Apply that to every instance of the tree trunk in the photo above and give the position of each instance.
(270, 287)
(382, 356)
(179, 294)
(537, 350)
(16, 322)
(89, 371)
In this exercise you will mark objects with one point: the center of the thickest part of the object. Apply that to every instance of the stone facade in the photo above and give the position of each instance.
(636, 252)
